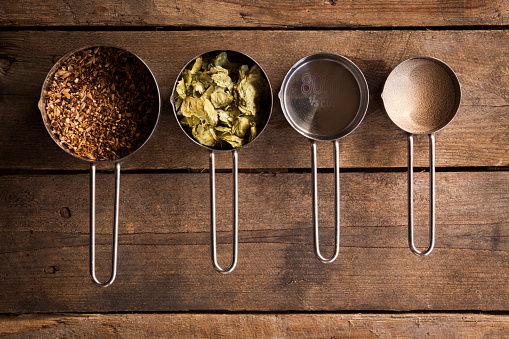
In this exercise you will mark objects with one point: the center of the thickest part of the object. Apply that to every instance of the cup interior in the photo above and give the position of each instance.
(422, 95)
(324, 96)
(100, 103)
(264, 101)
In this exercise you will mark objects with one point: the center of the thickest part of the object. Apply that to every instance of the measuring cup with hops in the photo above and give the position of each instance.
(222, 100)
(100, 104)
(324, 97)
(421, 96)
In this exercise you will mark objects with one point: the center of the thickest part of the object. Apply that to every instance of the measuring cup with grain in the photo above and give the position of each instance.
(100, 104)
(324, 96)
(222, 100)
(421, 96)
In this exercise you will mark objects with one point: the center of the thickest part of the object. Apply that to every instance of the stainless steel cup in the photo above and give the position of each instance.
(93, 163)
(324, 96)
(421, 96)
(265, 112)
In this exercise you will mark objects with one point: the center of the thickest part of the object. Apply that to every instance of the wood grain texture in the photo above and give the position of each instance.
(164, 259)
(265, 13)
(164, 252)
(411, 325)
(478, 136)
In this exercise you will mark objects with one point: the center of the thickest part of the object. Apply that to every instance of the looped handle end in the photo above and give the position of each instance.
(114, 249)
(316, 236)
(212, 169)
(411, 243)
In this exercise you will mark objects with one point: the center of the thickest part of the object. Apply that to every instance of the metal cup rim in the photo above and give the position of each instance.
(363, 88)
(456, 83)
(50, 76)
(218, 51)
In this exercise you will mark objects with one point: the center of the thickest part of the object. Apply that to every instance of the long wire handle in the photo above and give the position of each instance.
(411, 195)
(235, 212)
(114, 246)
(316, 236)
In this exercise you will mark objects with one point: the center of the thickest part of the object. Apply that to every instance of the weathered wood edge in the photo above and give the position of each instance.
(326, 325)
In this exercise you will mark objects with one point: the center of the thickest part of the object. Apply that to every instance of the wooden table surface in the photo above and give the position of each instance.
(166, 285)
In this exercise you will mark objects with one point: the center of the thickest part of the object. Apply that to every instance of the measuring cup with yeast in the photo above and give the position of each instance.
(100, 104)
(421, 96)
(222, 100)
(324, 96)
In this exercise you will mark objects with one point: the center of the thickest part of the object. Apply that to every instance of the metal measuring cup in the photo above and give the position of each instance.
(265, 112)
(149, 125)
(324, 96)
(421, 96)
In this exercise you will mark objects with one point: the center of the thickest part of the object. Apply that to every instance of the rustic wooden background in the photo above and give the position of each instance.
(166, 285)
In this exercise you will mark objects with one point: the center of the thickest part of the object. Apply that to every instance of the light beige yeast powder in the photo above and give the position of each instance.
(419, 96)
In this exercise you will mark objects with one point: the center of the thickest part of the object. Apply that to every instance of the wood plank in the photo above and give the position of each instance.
(479, 135)
(392, 325)
(264, 13)
(164, 259)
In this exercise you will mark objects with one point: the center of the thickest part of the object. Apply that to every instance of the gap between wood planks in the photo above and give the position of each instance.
(423, 312)
(268, 28)
(7, 172)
